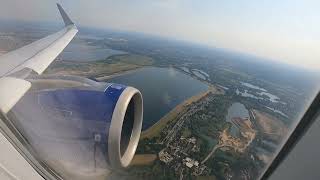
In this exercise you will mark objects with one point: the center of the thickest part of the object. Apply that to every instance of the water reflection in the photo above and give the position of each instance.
(236, 111)
(162, 89)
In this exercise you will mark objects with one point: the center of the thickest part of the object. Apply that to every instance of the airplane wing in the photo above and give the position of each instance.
(35, 57)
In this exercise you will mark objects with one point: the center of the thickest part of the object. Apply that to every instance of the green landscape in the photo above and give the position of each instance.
(193, 140)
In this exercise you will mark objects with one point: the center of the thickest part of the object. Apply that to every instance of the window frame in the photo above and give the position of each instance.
(309, 117)
(13, 135)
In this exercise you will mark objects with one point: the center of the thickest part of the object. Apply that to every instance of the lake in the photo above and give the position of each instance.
(83, 52)
(252, 86)
(162, 90)
(271, 97)
(236, 110)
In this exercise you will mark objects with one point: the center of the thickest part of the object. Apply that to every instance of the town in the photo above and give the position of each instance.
(182, 151)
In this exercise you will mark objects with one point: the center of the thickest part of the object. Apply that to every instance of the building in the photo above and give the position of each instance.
(165, 157)
(190, 162)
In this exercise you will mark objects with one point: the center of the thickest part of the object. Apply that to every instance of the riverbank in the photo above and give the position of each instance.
(119, 73)
(191, 74)
(143, 159)
(155, 129)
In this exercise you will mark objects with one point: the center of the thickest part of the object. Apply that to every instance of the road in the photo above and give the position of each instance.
(211, 153)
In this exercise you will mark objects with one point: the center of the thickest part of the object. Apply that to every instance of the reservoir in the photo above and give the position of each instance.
(236, 110)
(80, 51)
(162, 90)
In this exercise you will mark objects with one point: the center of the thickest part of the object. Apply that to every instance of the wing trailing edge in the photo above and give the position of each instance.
(11, 90)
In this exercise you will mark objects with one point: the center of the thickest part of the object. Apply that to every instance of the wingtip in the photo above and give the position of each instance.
(67, 21)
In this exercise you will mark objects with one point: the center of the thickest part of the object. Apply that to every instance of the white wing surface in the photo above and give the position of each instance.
(35, 57)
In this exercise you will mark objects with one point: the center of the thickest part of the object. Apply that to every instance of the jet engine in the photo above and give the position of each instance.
(80, 123)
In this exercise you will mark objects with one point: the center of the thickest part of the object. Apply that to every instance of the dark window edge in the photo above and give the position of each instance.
(302, 127)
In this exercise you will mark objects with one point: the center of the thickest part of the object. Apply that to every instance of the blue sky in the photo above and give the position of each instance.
(285, 30)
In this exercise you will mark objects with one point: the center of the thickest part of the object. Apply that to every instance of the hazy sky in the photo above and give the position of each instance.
(285, 30)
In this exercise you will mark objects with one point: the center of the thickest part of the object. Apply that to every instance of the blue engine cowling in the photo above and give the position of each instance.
(95, 116)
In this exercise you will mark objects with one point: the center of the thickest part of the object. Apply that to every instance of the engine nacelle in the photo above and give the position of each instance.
(69, 117)
(122, 109)
(125, 124)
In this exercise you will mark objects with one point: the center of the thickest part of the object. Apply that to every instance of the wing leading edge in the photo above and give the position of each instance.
(36, 57)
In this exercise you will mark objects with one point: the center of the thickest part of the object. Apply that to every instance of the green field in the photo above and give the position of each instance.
(97, 69)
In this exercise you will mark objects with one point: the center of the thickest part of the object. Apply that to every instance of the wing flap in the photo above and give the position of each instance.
(11, 90)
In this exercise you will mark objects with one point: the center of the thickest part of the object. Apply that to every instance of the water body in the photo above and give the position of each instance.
(272, 98)
(223, 87)
(199, 75)
(162, 90)
(82, 52)
(202, 72)
(185, 69)
(246, 94)
(277, 111)
(252, 86)
(197, 72)
(236, 110)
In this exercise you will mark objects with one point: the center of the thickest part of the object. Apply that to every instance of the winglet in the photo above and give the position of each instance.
(67, 21)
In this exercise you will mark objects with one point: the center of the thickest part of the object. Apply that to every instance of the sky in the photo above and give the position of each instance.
(285, 30)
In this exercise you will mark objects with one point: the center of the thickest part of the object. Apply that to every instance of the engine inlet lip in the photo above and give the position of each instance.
(114, 138)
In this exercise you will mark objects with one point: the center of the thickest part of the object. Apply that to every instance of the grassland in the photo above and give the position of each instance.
(99, 69)
(143, 159)
(271, 127)
(206, 178)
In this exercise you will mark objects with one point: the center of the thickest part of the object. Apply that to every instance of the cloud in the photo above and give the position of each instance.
(167, 99)
(172, 72)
